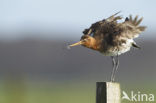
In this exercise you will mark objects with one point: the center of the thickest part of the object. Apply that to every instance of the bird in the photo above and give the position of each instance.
(112, 38)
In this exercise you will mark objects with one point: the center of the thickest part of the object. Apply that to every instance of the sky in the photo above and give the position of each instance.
(70, 16)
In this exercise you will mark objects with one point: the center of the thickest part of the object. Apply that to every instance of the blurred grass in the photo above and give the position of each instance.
(41, 92)
(60, 94)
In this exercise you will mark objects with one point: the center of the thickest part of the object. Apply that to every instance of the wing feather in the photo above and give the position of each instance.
(114, 17)
(131, 28)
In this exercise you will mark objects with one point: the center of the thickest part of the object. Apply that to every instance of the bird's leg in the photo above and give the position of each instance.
(116, 67)
(113, 70)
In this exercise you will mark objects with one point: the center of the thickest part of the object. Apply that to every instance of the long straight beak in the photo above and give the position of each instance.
(75, 44)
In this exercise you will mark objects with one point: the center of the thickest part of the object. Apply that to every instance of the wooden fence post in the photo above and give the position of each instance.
(108, 92)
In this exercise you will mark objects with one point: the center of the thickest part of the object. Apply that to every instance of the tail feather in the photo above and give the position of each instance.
(135, 45)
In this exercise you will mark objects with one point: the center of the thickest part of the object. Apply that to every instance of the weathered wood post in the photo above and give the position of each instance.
(108, 92)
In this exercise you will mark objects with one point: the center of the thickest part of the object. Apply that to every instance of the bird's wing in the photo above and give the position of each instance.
(130, 27)
(114, 18)
(102, 24)
(110, 32)
(105, 30)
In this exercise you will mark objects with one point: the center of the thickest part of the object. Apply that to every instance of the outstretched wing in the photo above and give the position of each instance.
(110, 32)
(131, 28)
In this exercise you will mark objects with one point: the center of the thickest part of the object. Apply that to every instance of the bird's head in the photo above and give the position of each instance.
(87, 41)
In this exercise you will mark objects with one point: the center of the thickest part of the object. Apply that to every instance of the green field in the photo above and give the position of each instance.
(67, 92)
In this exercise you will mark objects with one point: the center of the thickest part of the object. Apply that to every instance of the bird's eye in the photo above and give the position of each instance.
(92, 34)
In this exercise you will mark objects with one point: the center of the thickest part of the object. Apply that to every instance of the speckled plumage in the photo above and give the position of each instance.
(113, 38)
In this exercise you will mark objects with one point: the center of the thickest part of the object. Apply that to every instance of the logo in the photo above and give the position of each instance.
(138, 96)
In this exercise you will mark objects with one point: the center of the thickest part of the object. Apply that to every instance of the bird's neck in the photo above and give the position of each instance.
(93, 45)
